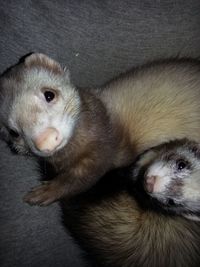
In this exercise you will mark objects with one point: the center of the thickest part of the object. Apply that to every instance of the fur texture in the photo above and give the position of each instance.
(118, 229)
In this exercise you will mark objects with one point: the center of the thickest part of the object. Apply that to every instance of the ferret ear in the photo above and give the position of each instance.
(41, 60)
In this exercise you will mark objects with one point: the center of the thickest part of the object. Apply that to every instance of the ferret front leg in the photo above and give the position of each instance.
(46, 193)
(78, 179)
(59, 187)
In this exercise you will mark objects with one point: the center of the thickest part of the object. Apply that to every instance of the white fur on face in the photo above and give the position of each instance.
(31, 114)
(189, 194)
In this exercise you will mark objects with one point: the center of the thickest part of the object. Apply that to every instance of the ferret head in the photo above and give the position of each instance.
(39, 106)
(171, 175)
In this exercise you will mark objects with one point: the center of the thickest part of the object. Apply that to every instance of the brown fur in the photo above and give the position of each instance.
(117, 231)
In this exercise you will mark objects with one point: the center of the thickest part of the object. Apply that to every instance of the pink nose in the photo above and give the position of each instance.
(48, 140)
(149, 183)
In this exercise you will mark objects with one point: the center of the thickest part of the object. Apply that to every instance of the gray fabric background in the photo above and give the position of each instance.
(96, 40)
(29, 236)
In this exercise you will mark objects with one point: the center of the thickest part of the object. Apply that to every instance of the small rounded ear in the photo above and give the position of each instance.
(42, 60)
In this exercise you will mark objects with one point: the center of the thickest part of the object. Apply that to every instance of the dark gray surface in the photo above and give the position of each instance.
(96, 40)
(29, 236)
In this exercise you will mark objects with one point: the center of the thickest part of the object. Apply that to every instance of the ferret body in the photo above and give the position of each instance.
(119, 229)
(170, 173)
(124, 227)
(85, 133)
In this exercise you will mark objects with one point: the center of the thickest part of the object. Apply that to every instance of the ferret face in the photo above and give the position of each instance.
(43, 106)
(172, 175)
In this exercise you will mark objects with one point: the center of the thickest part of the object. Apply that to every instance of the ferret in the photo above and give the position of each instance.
(120, 227)
(170, 173)
(84, 133)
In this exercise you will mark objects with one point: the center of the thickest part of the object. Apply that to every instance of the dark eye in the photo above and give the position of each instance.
(14, 134)
(49, 96)
(181, 164)
(171, 202)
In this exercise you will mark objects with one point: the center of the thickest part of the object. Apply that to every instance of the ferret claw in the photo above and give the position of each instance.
(42, 195)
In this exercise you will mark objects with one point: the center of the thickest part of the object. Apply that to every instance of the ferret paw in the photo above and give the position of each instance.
(42, 195)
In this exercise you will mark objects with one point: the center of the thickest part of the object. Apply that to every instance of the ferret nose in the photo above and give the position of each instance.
(149, 183)
(48, 140)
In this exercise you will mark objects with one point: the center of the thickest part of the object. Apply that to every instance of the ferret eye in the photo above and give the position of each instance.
(171, 202)
(49, 95)
(14, 133)
(181, 164)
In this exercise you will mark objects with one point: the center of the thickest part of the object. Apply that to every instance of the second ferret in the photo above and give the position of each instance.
(170, 174)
